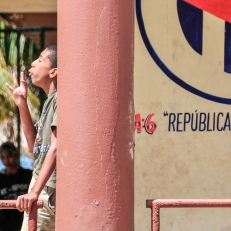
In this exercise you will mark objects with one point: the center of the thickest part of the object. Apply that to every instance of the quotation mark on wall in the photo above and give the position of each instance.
(165, 113)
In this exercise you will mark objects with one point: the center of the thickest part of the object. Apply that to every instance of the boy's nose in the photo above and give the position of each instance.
(32, 64)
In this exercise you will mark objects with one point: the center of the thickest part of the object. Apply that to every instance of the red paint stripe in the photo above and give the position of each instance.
(219, 8)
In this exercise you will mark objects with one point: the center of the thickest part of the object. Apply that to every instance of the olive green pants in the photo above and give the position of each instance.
(46, 215)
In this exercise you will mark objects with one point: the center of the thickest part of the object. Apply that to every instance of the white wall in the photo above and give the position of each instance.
(181, 164)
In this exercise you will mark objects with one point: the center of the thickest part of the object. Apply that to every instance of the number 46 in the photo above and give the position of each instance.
(150, 126)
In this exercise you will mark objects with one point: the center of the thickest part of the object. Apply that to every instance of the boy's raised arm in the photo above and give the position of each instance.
(20, 98)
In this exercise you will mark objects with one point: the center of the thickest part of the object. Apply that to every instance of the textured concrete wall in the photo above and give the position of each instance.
(95, 115)
(182, 159)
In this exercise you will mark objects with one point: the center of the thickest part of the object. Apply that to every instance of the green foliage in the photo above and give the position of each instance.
(7, 105)
(14, 60)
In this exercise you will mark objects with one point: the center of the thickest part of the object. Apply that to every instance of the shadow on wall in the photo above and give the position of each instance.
(227, 228)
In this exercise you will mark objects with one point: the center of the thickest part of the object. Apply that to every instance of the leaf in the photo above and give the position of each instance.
(8, 63)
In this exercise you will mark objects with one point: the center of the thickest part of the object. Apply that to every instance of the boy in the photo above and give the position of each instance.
(14, 181)
(41, 139)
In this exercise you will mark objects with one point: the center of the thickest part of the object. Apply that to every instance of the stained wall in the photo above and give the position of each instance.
(182, 76)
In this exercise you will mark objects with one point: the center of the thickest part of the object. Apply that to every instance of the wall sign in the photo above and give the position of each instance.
(191, 22)
(148, 124)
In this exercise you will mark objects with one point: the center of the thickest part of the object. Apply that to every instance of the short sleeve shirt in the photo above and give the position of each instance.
(47, 121)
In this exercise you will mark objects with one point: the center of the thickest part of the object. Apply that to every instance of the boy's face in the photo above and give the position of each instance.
(9, 159)
(40, 69)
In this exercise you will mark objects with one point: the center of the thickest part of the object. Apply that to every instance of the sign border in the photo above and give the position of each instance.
(165, 69)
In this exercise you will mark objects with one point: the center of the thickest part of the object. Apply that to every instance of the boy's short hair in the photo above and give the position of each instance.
(9, 147)
(53, 55)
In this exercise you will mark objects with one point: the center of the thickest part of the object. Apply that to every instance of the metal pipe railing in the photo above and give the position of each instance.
(155, 206)
(32, 222)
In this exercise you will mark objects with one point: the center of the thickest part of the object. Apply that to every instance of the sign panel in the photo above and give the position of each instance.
(182, 104)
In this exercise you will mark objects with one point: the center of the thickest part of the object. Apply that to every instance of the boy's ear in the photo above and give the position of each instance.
(53, 72)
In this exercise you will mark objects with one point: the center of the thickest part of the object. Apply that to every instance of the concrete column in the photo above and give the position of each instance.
(95, 189)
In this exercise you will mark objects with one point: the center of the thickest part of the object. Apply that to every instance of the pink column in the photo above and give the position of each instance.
(95, 189)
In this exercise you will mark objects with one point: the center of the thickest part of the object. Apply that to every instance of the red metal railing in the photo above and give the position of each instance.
(32, 223)
(155, 206)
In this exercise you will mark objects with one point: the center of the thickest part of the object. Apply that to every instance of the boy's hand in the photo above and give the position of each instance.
(24, 202)
(19, 92)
